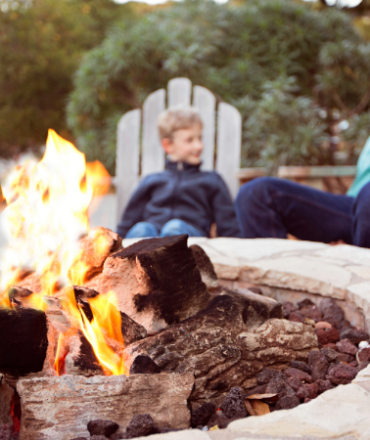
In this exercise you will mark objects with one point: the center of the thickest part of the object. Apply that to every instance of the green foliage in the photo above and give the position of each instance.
(283, 129)
(41, 44)
(233, 50)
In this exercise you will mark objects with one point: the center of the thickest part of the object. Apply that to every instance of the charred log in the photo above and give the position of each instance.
(205, 267)
(23, 340)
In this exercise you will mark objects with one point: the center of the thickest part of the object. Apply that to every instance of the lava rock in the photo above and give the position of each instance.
(364, 355)
(277, 385)
(294, 372)
(142, 425)
(330, 354)
(5, 431)
(76, 438)
(233, 404)
(331, 345)
(288, 308)
(294, 382)
(312, 389)
(98, 437)
(341, 374)
(312, 312)
(305, 303)
(319, 366)
(323, 324)
(102, 427)
(331, 312)
(307, 399)
(302, 393)
(144, 365)
(347, 358)
(296, 317)
(326, 335)
(259, 389)
(324, 385)
(354, 335)
(202, 415)
(265, 376)
(362, 365)
(219, 419)
(287, 402)
(346, 346)
(301, 366)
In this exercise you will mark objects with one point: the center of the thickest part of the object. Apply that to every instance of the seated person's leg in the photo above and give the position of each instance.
(177, 227)
(142, 230)
(361, 218)
(272, 207)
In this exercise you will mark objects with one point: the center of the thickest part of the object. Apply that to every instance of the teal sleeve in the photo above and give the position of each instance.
(363, 171)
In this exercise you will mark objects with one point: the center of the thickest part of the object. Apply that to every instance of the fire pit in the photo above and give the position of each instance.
(157, 335)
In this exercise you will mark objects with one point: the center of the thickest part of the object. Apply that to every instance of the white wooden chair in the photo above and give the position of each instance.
(221, 152)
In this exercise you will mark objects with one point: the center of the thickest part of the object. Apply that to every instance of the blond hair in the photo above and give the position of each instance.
(177, 118)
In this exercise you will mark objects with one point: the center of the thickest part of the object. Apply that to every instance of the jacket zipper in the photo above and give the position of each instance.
(180, 169)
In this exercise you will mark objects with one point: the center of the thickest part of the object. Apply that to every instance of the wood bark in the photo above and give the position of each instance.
(61, 407)
(157, 282)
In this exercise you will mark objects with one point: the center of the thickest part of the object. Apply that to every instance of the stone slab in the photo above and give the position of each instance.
(335, 414)
(299, 274)
(353, 254)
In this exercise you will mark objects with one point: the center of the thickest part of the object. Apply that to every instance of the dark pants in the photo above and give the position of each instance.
(272, 207)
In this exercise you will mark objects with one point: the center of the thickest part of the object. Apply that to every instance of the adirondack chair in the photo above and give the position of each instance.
(134, 161)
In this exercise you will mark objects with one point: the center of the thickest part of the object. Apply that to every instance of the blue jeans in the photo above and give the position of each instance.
(173, 227)
(272, 207)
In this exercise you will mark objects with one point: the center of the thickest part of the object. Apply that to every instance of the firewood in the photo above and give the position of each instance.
(205, 267)
(157, 282)
(61, 407)
(23, 340)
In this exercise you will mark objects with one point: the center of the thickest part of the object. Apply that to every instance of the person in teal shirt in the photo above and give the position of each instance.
(272, 207)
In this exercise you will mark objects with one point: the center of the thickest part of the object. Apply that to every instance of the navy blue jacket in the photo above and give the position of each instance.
(183, 192)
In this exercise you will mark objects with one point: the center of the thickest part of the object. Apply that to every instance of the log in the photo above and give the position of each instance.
(61, 407)
(205, 266)
(6, 397)
(226, 344)
(23, 340)
(157, 282)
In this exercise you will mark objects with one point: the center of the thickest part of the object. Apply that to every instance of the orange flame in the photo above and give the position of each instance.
(45, 217)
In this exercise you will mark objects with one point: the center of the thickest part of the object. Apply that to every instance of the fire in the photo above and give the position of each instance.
(45, 216)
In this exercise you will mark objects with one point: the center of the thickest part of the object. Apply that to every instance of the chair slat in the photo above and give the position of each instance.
(205, 102)
(229, 145)
(179, 91)
(152, 152)
(127, 161)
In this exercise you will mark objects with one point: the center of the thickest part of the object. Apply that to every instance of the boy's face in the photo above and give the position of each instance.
(186, 145)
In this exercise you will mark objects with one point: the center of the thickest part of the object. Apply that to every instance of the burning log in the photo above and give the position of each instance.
(61, 407)
(23, 340)
(157, 282)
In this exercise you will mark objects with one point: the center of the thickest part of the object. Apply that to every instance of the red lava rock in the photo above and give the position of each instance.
(5, 431)
(98, 437)
(277, 385)
(312, 389)
(354, 335)
(233, 404)
(294, 382)
(332, 313)
(346, 346)
(341, 374)
(296, 317)
(319, 367)
(294, 372)
(305, 303)
(306, 400)
(323, 324)
(345, 324)
(287, 402)
(362, 365)
(288, 308)
(202, 415)
(301, 366)
(353, 364)
(330, 354)
(324, 385)
(102, 427)
(326, 335)
(331, 345)
(364, 355)
(302, 393)
(265, 376)
(312, 312)
(347, 358)
(141, 425)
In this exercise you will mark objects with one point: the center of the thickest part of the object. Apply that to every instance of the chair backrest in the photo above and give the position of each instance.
(221, 152)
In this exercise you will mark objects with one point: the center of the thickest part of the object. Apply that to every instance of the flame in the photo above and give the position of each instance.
(45, 216)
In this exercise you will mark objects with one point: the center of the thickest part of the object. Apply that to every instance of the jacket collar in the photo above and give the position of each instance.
(181, 166)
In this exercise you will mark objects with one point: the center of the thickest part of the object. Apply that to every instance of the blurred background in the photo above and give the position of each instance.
(298, 71)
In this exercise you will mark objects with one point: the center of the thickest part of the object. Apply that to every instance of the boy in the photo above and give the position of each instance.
(182, 199)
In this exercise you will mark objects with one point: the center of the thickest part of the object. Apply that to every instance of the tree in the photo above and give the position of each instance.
(231, 49)
(41, 44)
